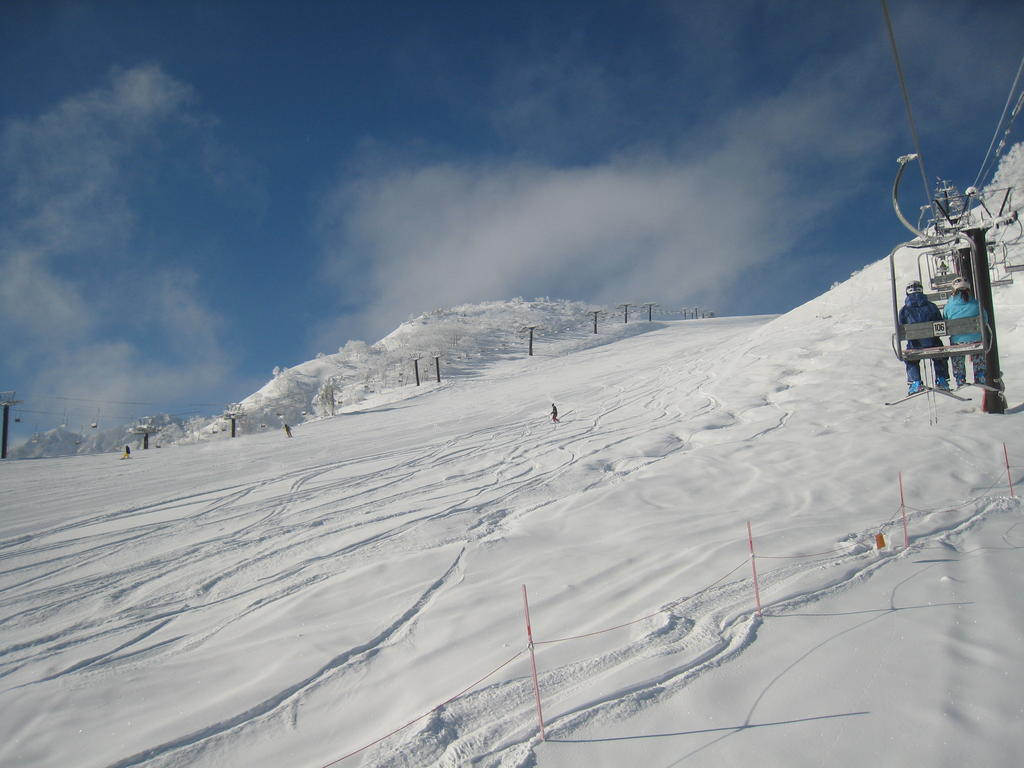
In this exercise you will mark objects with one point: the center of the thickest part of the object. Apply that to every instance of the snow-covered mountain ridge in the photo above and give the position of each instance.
(462, 341)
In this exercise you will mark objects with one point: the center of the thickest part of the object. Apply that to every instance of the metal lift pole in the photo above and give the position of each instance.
(7, 400)
(3, 450)
(993, 402)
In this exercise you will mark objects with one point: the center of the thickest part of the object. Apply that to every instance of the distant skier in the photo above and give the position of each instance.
(917, 309)
(287, 430)
(127, 453)
(962, 304)
(554, 414)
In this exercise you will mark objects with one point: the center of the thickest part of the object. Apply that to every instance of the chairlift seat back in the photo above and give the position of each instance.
(942, 283)
(955, 327)
(940, 328)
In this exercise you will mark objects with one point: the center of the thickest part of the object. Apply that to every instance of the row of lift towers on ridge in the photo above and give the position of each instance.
(143, 428)
(146, 427)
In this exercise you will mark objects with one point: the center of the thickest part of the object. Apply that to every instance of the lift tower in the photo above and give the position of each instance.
(6, 400)
(992, 402)
(233, 413)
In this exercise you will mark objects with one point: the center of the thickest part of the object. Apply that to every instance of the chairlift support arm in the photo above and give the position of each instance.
(903, 160)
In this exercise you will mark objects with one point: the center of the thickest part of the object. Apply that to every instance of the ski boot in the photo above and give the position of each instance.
(942, 384)
(914, 387)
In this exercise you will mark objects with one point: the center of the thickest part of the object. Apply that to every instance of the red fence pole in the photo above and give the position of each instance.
(903, 512)
(533, 663)
(1009, 477)
(753, 567)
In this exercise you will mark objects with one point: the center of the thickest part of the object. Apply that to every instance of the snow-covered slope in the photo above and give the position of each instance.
(461, 341)
(354, 596)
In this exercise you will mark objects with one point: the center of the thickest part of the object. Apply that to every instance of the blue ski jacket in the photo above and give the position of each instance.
(957, 306)
(917, 309)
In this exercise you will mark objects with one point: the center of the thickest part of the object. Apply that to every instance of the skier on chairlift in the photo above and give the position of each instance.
(917, 309)
(962, 304)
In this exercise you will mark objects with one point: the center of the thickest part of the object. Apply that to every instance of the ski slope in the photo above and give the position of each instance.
(268, 602)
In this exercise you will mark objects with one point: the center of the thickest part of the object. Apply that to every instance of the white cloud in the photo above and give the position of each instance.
(118, 372)
(642, 229)
(37, 306)
(678, 227)
(91, 316)
(685, 196)
(68, 167)
(191, 328)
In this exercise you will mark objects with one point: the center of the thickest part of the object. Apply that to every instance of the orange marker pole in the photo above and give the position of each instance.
(753, 567)
(903, 511)
(533, 663)
(1009, 477)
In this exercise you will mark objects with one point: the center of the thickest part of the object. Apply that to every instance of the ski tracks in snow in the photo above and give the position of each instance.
(142, 585)
(273, 705)
(645, 664)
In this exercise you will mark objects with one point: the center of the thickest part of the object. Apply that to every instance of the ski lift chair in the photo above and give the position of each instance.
(938, 328)
(940, 273)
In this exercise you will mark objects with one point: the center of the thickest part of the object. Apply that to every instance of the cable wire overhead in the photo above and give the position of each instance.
(906, 101)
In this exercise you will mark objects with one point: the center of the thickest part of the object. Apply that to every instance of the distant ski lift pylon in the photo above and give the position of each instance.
(233, 413)
(145, 427)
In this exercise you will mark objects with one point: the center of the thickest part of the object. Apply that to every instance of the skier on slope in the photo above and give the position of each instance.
(554, 414)
(962, 304)
(917, 309)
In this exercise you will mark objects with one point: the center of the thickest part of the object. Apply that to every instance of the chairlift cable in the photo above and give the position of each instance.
(906, 100)
(95, 400)
(44, 413)
(1002, 117)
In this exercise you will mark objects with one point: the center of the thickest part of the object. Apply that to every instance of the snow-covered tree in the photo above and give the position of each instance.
(1010, 173)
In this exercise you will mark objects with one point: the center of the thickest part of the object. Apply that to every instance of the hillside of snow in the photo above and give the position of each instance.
(459, 341)
(354, 596)
(445, 343)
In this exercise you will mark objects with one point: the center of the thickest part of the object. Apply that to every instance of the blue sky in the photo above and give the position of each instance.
(196, 192)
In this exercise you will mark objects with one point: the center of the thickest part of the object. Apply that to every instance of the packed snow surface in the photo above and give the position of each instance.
(355, 595)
